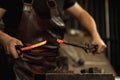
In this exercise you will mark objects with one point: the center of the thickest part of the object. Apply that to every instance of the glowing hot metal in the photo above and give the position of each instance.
(20, 49)
(34, 45)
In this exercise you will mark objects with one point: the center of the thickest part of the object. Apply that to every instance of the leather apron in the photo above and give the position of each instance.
(31, 30)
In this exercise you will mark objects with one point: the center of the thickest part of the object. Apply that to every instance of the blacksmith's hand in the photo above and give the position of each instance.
(9, 44)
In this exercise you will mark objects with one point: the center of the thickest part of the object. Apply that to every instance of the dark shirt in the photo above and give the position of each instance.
(14, 10)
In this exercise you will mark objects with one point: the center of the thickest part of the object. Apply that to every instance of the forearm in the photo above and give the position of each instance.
(84, 18)
(88, 23)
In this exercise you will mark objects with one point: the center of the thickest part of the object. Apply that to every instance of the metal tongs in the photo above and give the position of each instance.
(87, 48)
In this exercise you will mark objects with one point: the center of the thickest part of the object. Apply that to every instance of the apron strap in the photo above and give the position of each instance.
(27, 5)
(53, 7)
(55, 14)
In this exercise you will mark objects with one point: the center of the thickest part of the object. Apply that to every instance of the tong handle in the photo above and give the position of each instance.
(20, 51)
(18, 48)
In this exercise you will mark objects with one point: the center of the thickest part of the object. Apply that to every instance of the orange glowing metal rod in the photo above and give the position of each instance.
(60, 41)
(63, 42)
(34, 45)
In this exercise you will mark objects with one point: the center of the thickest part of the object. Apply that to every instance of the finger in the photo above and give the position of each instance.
(14, 52)
(19, 43)
(93, 48)
(18, 46)
(7, 50)
(101, 49)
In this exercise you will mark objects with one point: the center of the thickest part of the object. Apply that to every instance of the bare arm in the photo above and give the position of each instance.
(2, 12)
(84, 18)
(88, 23)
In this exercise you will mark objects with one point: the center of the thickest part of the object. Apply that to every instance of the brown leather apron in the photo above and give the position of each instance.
(31, 30)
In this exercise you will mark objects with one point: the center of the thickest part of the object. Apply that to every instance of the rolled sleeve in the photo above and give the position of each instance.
(68, 3)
